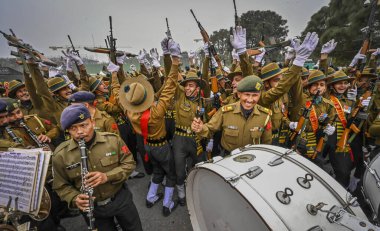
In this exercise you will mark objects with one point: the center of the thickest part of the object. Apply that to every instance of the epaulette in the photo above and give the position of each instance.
(108, 134)
(328, 101)
(264, 109)
(105, 114)
(227, 108)
(27, 117)
(61, 146)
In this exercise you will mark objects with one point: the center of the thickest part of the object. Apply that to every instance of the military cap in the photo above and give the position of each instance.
(269, 71)
(250, 83)
(192, 76)
(237, 71)
(95, 82)
(136, 94)
(12, 104)
(315, 76)
(305, 72)
(81, 97)
(13, 86)
(74, 114)
(369, 72)
(3, 106)
(330, 72)
(57, 83)
(339, 76)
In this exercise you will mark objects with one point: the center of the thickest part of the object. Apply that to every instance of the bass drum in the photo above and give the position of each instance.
(371, 186)
(255, 189)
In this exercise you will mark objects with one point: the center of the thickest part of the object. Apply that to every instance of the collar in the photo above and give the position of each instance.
(98, 139)
(97, 114)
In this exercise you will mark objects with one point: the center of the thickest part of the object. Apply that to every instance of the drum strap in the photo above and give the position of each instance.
(339, 110)
(314, 120)
(144, 129)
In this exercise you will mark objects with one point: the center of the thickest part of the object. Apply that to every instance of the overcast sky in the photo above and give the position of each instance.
(137, 24)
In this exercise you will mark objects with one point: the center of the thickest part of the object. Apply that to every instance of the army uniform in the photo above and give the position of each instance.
(106, 153)
(27, 107)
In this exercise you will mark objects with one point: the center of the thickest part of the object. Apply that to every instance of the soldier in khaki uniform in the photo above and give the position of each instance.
(147, 117)
(103, 121)
(241, 123)
(109, 165)
(42, 128)
(18, 90)
(5, 142)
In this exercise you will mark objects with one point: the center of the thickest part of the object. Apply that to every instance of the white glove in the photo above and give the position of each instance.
(353, 184)
(238, 39)
(132, 67)
(71, 85)
(210, 145)
(329, 130)
(155, 58)
(120, 59)
(293, 125)
(147, 64)
(164, 46)
(235, 55)
(295, 42)
(191, 54)
(141, 56)
(352, 93)
(304, 50)
(205, 50)
(113, 67)
(174, 48)
(69, 65)
(365, 102)
(328, 47)
(377, 52)
(74, 57)
(260, 56)
(226, 69)
(357, 57)
(213, 62)
(289, 53)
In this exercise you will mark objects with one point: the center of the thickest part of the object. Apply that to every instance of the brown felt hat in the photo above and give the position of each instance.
(136, 94)
(13, 86)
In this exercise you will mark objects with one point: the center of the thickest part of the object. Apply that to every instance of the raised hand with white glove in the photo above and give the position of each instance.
(238, 40)
(376, 53)
(328, 47)
(210, 145)
(113, 67)
(304, 50)
(357, 57)
(329, 130)
(235, 55)
(352, 93)
(365, 102)
(293, 125)
(69, 65)
(192, 54)
(141, 56)
(206, 50)
(155, 57)
(259, 57)
(174, 48)
(121, 59)
(73, 56)
(289, 53)
(164, 46)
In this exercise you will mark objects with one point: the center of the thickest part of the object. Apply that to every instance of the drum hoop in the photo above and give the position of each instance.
(259, 214)
(333, 192)
(366, 172)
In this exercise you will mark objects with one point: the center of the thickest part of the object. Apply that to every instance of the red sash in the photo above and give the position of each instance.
(339, 110)
(144, 129)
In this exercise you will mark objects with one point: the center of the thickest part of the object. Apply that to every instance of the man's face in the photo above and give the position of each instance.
(222, 83)
(249, 99)
(320, 85)
(65, 92)
(23, 94)
(15, 115)
(235, 82)
(191, 89)
(83, 130)
(341, 86)
(102, 88)
(363, 82)
(3, 119)
(273, 82)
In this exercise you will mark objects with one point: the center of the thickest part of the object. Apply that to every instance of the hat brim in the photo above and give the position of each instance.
(346, 78)
(12, 93)
(97, 85)
(64, 85)
(127, 105)
(231, 75)
(317, 80)
(200, 82)
(274, 75)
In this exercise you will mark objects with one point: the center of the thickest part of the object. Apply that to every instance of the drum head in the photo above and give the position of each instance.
(370, 187)
(218, 206)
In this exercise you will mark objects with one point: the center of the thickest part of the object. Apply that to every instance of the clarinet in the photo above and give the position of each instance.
(13, 135)
(86, 190)
(33, 136)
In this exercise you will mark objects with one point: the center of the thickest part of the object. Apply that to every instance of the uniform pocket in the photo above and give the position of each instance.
(109, 160)
(74, 172)
(231, 136)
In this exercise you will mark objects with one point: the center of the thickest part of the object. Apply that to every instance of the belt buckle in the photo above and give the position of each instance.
(188, 131)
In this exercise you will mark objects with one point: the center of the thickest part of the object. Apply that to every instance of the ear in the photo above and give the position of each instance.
(239, 94)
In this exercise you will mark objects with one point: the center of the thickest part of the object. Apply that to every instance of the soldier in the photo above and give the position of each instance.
(5, 142)
(18, 90)
(43, 129)
(109, 165)
(103, 121)
(147, 118)
(244, 122)
(234, 77)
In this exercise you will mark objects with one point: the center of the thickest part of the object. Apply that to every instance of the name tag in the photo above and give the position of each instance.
(254, 129)
(73, 166)
(110, 153)
(232, 127)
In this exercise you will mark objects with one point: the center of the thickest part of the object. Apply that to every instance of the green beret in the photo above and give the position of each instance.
(250, 83)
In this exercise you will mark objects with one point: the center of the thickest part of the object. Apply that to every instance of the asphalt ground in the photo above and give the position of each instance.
(151, 219)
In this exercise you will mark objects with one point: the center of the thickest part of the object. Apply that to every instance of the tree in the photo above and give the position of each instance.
(221, 41)
(343, 21)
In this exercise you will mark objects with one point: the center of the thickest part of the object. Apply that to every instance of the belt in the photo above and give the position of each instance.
(184, 131)
(157, 143)
(170, 114)
(102, 203)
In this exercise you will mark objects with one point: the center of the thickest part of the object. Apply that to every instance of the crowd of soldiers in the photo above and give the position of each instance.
(175, 117)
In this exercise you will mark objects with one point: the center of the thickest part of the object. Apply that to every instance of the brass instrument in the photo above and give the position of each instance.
(84, 189)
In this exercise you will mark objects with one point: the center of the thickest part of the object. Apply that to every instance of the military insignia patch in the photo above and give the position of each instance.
(114, 126)
(125, 149)
(227, 108)
(81, 116)
(110, 153)
(15, 105)
(258, 86)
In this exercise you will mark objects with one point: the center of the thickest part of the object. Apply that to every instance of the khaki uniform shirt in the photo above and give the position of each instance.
(156, 122)
(374, 129)
(104, 122)
(230, 99)
(238, 131)
(6, 142)
(107, 154)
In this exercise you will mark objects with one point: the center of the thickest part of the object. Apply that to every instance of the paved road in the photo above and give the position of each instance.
(152, 219)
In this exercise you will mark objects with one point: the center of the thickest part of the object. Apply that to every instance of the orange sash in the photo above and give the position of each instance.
(314, 120)
(339, 110)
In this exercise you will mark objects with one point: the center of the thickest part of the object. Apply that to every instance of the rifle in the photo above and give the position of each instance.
(168, 32)
(103, 50)
(367, 32)
(26, 48)
(321, 142)
(303, 120)
(19, 55)
(206, 39)
(75, 51)
(351, 126)
(237, 18)
(112, 43)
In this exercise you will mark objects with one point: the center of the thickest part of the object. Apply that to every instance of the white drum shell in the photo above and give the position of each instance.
(251, 204)
(371, 189)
